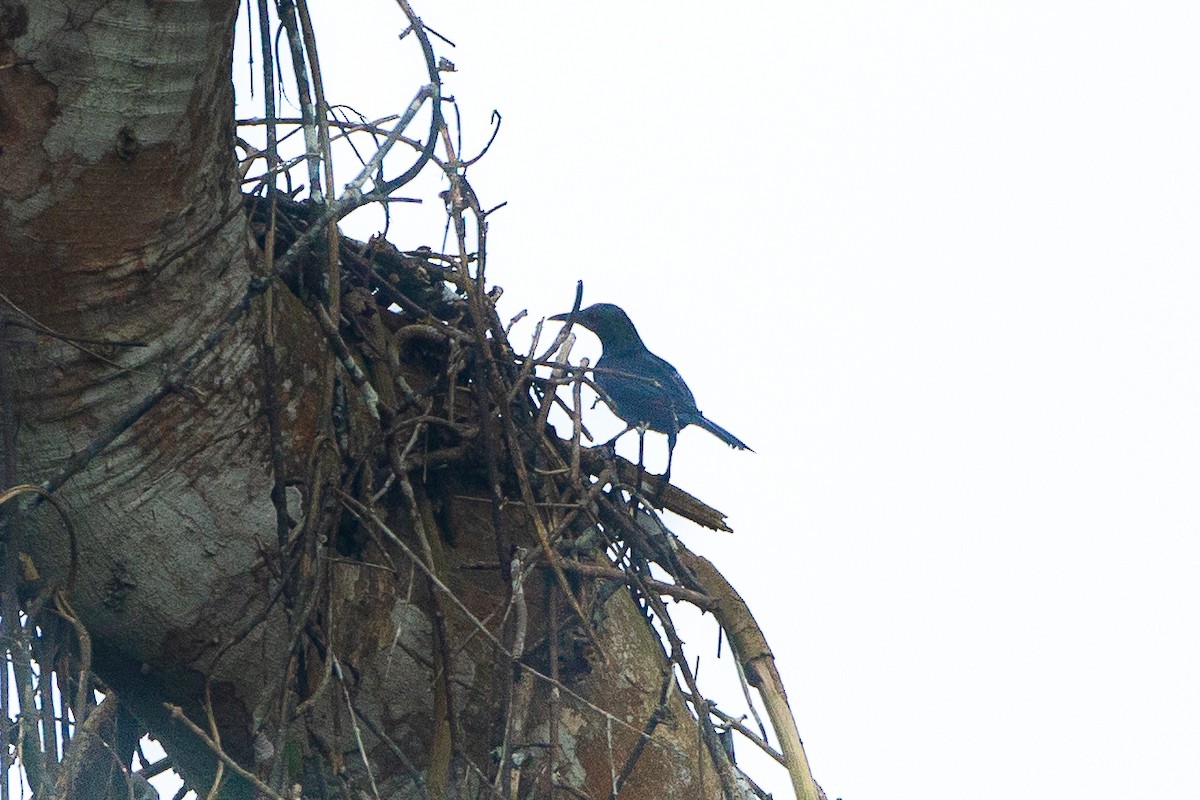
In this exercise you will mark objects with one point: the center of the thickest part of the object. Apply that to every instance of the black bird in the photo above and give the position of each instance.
(645, 390)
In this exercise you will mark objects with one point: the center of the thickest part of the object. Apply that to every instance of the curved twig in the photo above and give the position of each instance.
(43, 493)
(435, 82)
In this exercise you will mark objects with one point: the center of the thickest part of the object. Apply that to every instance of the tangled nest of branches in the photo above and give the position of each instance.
(458, 396)
(479, 405)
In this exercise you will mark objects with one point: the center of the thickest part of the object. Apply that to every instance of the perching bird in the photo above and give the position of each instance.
(645, 390)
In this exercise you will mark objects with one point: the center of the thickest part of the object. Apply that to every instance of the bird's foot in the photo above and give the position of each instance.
(664, 481)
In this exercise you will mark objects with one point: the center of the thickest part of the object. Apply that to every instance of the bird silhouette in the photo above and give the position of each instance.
(645, 390)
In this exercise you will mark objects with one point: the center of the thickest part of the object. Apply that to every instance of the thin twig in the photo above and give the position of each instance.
(707, 733)
(287, 16)
(268, 68)
(735, 724)
(216, 739)
(177, 713)
(741, 673)
(657, 716)
(362, 750)
(555, 699)
(353, 197)
(82, 692)
(509, 775)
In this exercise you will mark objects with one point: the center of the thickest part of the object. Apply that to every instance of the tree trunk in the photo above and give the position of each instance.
(312, 566)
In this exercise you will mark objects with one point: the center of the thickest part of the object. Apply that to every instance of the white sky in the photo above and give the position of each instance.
(937, 263)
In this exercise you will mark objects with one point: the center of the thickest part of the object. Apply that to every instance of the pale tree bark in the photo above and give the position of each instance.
(276, 517)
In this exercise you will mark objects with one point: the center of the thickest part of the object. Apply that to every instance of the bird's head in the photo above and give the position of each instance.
(610, 323)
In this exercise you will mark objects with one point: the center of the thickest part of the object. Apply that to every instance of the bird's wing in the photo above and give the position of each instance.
(646, 389)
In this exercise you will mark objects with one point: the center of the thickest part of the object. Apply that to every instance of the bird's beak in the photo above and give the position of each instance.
(560, 317)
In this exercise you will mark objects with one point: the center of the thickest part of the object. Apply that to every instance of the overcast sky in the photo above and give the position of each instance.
(937, 262)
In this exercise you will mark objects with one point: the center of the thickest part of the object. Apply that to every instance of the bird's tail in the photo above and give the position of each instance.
(722, 434)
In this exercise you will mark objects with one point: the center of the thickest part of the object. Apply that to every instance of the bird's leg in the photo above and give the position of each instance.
(671, 439)
(666, 476)
(641, 470)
